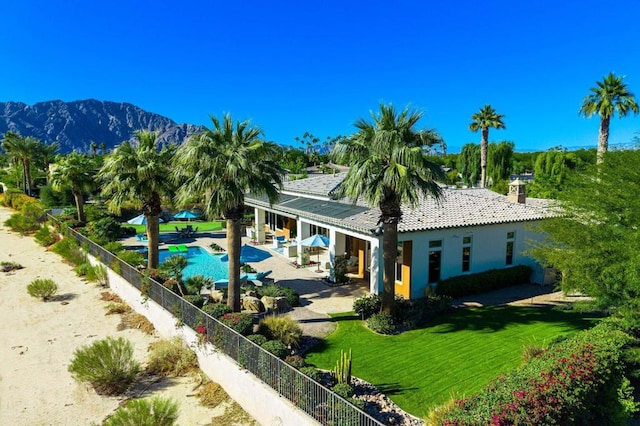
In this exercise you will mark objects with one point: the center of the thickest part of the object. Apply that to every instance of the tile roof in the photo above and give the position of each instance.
(457, 208)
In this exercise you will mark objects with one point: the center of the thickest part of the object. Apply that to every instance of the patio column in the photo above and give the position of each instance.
(376, 283)
(299, 237)
(259, 224)
(332, 251)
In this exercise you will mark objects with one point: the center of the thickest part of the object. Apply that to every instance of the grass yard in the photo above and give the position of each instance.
(459, 352)
(215, 225)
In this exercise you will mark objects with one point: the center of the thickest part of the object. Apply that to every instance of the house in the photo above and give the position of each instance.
(468, 231)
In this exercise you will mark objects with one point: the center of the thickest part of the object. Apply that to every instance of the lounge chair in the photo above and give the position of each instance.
(141, 237)
(258, 275)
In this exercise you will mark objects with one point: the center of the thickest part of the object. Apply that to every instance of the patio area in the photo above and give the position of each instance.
(317, 298)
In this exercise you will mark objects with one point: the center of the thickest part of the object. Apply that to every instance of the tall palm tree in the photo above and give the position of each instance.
(22, 149)
(139, 176)
(388, 169)
(45, 155)
(482, 120)
(220, 165)
(77, 172)
(610, 96)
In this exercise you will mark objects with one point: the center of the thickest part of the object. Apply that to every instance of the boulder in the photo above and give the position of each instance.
(252, 304)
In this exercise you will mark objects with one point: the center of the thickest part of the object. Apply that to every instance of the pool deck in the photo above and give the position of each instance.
(317, 299)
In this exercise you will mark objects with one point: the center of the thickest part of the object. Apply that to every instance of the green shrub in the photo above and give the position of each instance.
(466, 285)
(241, 323)
(270, 290)
(282, 328)
(171, 358)
(15, 199)
(45, 237)
(296, 361)
(417, 312)
(131, 257)
(382, 323)
(107, 364)
(100, 275)
(277, 348)
(293, 298)
(20, 223)
(95, 212)
(194, 299)
(68, 248)
(216, 310)
(145, 412)
(104, 230)
(345, 390)
(84, 269)
(312, 372)
(114, 247)
(258, 339)
(367, 305)
(42, 288)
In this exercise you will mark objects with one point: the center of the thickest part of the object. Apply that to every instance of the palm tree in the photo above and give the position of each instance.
(611, 96)
(139, 176)
(220, 165)
(75, 171)
(46, 153)
(482, 120)
(388, 169)
(22, 150)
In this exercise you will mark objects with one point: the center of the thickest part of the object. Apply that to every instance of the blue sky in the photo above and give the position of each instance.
(317, 66)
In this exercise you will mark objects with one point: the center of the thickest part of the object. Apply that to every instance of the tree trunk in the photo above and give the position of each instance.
(390, 257)
(151, 209)
(484, 146)
(234, 240)
(603, 139)
(153, 236)
(80, 205)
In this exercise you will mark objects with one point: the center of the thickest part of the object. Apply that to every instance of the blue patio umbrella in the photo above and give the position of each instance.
(140, 220)
(186, 214)
(249, 254)
(316, 240)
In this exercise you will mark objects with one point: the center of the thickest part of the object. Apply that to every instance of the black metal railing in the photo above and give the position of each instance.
(313, 398)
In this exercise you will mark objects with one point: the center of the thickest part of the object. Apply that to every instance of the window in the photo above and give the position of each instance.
(509, 259)
(435, 260)
(466, 254)
(509, 255)
(399, 262)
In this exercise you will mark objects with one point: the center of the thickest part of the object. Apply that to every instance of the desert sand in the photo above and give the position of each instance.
(38, 340)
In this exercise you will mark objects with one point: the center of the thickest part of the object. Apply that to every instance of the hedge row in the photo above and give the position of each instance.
(577, 381)
(466, 285)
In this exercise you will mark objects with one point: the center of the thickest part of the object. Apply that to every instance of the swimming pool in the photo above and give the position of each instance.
(200, 262)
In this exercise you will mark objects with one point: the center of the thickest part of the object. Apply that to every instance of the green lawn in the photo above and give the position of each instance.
(216, 225)
(461, 351)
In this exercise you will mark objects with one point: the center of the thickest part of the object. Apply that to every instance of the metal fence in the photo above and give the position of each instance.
(316, 400)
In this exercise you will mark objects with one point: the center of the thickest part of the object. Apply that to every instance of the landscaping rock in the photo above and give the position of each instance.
(252, 304)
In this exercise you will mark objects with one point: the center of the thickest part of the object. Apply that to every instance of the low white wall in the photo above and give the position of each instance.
(258, 399)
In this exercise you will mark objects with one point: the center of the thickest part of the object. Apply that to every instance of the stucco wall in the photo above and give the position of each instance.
(258, 399)
(488, 251)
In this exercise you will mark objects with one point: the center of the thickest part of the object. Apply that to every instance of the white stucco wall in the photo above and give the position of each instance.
(488, 251)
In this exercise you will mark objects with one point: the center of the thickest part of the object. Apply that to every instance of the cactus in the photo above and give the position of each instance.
(342, 370)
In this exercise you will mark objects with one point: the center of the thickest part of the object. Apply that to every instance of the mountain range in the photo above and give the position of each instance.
(75, 125)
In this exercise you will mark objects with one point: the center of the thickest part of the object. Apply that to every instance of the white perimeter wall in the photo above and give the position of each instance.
(258, 399)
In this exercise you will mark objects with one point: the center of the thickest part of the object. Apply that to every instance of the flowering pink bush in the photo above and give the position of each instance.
(573, 382)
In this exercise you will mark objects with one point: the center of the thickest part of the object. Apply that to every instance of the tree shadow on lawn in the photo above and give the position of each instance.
(496, 318)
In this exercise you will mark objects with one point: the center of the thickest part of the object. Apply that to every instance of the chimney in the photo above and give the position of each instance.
(516, 192)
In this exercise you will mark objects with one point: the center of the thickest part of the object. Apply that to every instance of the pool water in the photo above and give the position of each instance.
(201, 262)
